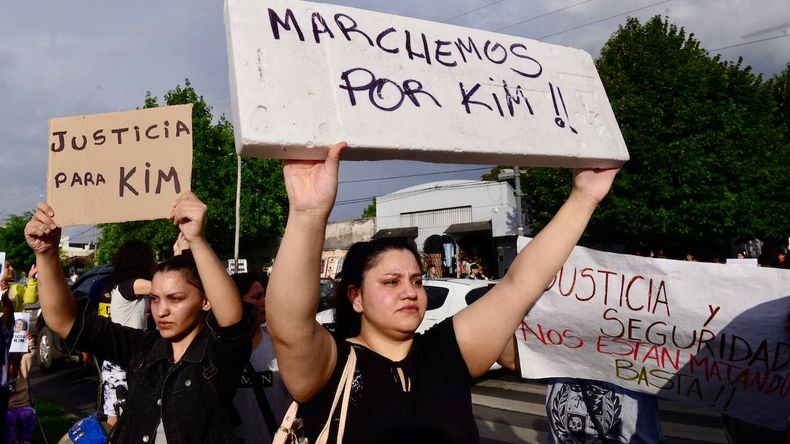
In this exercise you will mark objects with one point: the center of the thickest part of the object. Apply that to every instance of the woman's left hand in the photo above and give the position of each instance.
(312, 184)
(189, 213)
(594, 182)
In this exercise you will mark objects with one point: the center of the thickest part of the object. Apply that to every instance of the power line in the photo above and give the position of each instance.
(74, 236)
(412, 175)
(467, 184)
(472, 10)
(604, 19)
(543, 15)
(751, 42)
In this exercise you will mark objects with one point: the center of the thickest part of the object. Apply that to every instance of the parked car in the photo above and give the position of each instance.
(51, 348)
(326, 304)
(446, 297)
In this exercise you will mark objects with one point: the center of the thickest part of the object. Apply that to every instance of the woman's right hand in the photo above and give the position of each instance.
(312, 184)
(41, 232)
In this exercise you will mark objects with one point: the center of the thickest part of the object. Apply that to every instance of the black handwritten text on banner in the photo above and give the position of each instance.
(305, 75)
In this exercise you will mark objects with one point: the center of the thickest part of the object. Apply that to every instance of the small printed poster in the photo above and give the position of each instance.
(19, 343)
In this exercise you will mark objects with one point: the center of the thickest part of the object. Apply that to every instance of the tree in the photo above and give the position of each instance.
(12, 241)
(705, 158)
(263, 198)
(370, 210)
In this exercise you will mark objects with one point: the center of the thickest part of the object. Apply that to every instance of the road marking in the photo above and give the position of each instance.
(671, 429)
(512, 405)
(497, 431)
(540, 389)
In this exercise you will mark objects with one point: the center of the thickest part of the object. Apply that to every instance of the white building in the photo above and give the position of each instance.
(339, 237)
(79, 253)
(454, 220)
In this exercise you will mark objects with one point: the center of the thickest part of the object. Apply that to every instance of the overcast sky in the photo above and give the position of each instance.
(70, 58)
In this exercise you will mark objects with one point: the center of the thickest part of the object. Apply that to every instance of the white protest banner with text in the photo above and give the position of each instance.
(305, 75)
(117, 167)
(705, 333)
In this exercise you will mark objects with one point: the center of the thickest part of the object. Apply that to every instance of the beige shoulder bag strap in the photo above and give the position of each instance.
(286, 435)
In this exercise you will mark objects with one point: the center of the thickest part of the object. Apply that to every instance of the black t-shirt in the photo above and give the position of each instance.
(432, 403)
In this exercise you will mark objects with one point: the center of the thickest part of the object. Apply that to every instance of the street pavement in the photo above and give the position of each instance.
(511, 410)
(71, 386)
(507, 409)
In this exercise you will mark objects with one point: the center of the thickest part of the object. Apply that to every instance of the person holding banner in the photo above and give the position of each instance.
(261, 398)
(127, 290)
(20, 293)
(182, 376)
(398, 386)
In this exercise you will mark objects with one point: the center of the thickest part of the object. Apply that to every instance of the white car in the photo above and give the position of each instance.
(448, 296)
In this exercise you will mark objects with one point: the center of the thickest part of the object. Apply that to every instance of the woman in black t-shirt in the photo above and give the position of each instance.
(407, 387)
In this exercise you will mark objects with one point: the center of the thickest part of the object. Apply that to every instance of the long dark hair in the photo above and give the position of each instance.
(361, 257)
(133, 260)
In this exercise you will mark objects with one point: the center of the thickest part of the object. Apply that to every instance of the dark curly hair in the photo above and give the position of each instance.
(361, 257)
(244, 281)
(133, 260)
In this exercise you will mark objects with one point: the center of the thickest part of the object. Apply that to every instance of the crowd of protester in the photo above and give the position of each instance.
(190, 353)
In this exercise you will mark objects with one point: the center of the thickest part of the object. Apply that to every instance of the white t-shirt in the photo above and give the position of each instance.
(253, 427)
(126, 308)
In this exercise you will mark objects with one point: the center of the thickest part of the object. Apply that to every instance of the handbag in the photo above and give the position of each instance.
(291, 430)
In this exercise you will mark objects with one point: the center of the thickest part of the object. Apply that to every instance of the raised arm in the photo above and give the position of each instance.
(58, 305)
(484, 328)
(189, 213)
(306, 352)
(31, 287)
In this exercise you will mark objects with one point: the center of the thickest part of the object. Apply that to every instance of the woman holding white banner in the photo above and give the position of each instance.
(383, 381)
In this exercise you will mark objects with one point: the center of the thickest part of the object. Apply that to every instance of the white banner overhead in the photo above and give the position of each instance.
(705, 333)
(305, 75)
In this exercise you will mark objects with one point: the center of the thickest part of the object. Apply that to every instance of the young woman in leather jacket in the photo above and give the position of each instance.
(183, 375)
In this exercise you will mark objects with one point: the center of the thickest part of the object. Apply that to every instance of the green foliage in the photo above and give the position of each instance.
(370, 210)
(214, 165)
(12, 241)
(54, 421)
(707, 158)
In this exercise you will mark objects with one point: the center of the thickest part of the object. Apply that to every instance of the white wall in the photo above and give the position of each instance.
(489, 201)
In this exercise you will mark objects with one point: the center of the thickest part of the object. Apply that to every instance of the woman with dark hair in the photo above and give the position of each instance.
(262, 398)
(405, 387)
(182, 376)
(125, 302)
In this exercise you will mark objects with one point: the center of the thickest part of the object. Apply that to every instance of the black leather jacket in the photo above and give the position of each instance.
(193, 397)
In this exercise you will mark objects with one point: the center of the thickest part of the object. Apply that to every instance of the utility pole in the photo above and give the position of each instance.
(515, 174)
(519, 214)
(238, 218)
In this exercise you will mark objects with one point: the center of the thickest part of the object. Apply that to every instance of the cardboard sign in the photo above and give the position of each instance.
(19, 342)
(705, 333)
(305, 75)
(118, 167)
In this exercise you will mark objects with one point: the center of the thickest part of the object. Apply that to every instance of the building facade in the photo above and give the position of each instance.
(454, 222)
(338, 238)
